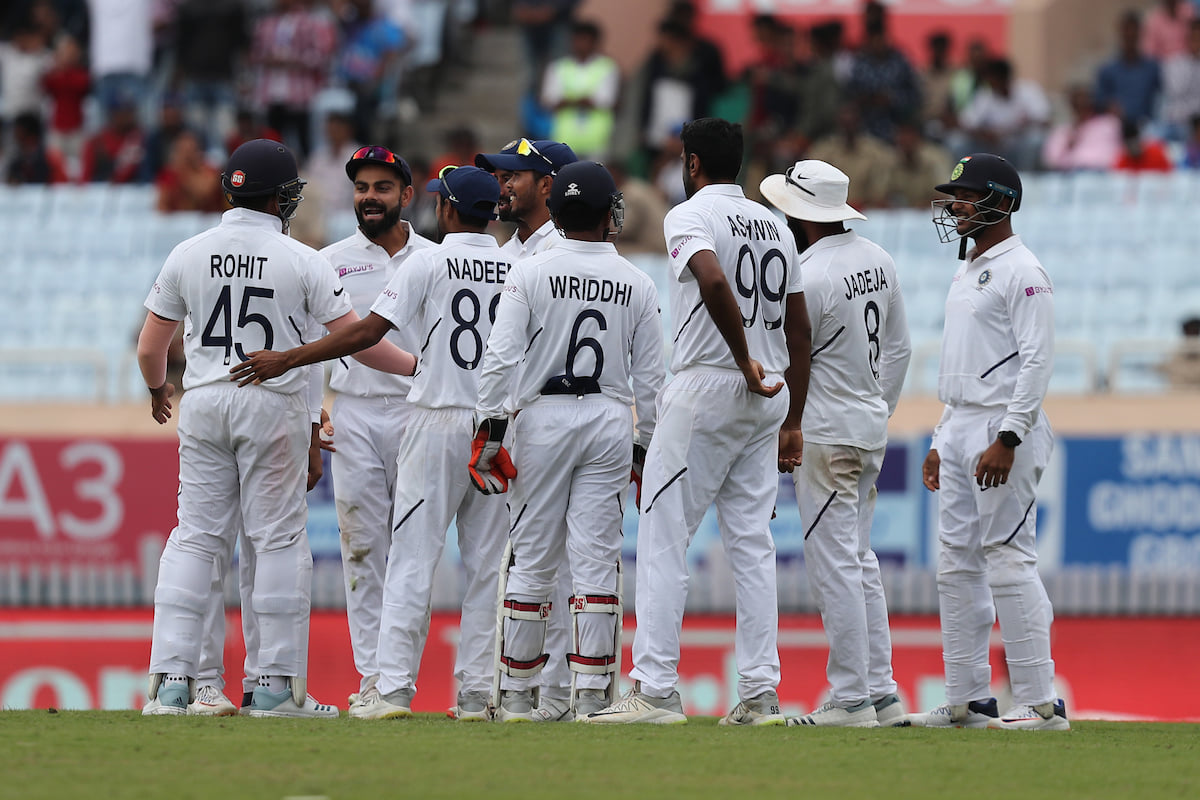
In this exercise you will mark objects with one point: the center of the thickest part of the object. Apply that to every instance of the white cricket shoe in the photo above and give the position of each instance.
(211, 702)
(368, 695)
(553, 709)
(890, 711)
(1050, 716)
(975, 714)
(589, 701)
(171, 700)
(472, 707)
(393, 705)
(860, 715)
(281, 704)
(636, 707)
(354, 697)
(760, 710)
(516, 705)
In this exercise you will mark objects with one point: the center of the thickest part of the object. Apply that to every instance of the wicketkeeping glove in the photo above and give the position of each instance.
(491, 467)
(635, 477)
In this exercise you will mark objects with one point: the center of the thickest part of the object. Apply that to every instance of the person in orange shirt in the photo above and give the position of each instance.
(1141, 154)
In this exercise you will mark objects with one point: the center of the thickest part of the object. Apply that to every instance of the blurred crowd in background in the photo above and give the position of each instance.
(160, 91)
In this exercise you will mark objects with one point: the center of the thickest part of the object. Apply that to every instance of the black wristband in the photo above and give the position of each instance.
(1008, 439)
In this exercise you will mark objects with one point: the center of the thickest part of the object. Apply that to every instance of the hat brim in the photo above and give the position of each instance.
(514, 162)
(774, 188)
(434, 185)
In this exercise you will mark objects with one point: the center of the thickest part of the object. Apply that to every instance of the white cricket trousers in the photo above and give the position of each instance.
(242, 461)
(367, 434)
(573, 458)
(714, 442)
(987, 567)
(433, 488)
(835, 490)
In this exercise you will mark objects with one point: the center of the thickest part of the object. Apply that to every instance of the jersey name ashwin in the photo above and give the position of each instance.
(760, 229)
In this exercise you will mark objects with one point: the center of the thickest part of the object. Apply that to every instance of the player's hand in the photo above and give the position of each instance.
(755, 374)
(931, 471)
(635, 475)
(791, 449)
(491, 468)
(160, 402)
(259, 366)
(325, 434)
(994, 465)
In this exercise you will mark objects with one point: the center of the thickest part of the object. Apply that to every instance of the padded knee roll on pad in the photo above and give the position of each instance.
(520, 611)
(593, 604)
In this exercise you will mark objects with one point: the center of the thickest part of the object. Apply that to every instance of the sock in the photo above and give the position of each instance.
(175, 679)
(273, 683)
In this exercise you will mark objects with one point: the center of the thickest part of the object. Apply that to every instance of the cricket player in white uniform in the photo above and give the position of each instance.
(370, 409)
(242, 454)
(448, 295)
(525, 170)
(988, 453)
(725, 422)
(859, 358)
(586, 324)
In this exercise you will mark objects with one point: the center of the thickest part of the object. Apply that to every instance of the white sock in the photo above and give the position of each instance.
(273, 683)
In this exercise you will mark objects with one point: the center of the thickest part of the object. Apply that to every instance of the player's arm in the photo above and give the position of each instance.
(797, 331)
(647, 372)
(931, 469)
(723, 309)
(153, 343)
(348, 335)
(896, 348)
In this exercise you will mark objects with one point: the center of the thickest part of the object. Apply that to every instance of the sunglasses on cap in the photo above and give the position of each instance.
(442, 173)
(527, 148)
(377, 154)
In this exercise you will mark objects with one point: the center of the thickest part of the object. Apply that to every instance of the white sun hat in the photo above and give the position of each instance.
(812, 191)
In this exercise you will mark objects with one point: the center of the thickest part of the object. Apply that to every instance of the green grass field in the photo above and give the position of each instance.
(119, 754)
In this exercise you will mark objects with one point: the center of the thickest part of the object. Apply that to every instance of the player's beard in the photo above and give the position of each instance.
(374, 228)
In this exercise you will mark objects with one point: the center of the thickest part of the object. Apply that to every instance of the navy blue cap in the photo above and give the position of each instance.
(375, 154)
(544, 156)
(472, 191)
(984, 172)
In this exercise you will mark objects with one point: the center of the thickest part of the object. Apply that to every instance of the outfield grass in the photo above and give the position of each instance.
(119, 754)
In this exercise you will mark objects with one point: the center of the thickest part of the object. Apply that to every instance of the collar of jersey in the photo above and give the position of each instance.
(362, 240)
(998, 249)
(470, 237)
(245, 216)
(581, 246)
(729, 189)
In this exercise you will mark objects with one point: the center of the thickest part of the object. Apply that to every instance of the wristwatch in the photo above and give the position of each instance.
(1008, 439)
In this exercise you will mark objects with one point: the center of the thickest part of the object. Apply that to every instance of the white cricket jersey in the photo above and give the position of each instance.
(579, 310)
(365, 269)
(860, 344)
(543, 238)
(998, 344)
(758, 254)
(447, 295)
(244, 286)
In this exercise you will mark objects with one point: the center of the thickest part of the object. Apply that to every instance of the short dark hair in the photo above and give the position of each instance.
(719, 145)
(575, 216)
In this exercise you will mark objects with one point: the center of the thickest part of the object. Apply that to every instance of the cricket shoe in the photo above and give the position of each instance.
(354, 697)
(889, 711)
(516, 705)
(472, 707)
(281, 704)
(589, 701)
(760, 710)
(553, 709)
(374, 705)
(975, 714)
(1050, 716)
(368, 695)
(171, 700)
(859, 715)
(636, 707)
(211, 702)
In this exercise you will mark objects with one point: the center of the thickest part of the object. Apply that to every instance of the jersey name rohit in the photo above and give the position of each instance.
(754, 229)
(228, 265)
(865, 282)
(477, 270)
(591, 290)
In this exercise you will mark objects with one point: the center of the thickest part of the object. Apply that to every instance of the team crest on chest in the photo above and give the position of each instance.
(985, 278)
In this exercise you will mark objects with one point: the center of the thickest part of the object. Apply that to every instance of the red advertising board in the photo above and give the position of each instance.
(97, 659)
(728, 22)
(86, 501)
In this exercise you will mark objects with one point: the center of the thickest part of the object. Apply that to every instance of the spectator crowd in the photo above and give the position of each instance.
(159, 91)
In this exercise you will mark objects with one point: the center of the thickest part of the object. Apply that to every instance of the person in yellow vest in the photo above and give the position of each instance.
(580, 91)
